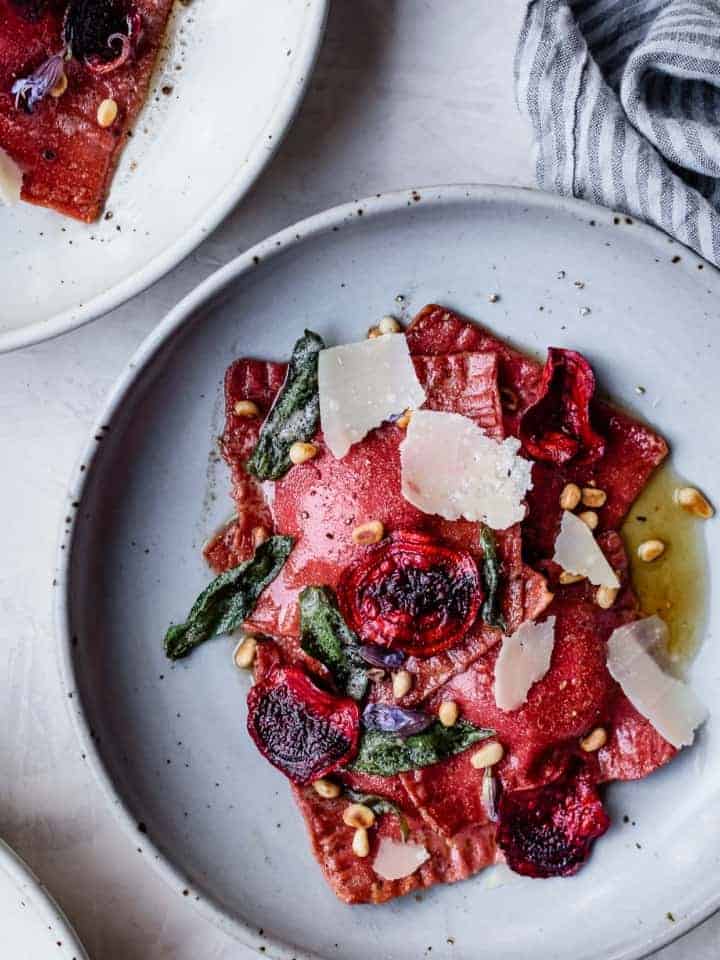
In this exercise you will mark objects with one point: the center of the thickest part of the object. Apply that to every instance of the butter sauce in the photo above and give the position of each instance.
(675, 585)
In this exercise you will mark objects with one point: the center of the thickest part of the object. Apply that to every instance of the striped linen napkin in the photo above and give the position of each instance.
(624, 100)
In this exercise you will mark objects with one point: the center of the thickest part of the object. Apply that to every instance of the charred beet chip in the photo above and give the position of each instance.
(103, 33)
(558, 427)
(303, 731)
(412, 592)
(548, 831)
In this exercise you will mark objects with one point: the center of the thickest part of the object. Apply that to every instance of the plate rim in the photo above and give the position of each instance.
(343, 215)
(235, 190)
(43, 902)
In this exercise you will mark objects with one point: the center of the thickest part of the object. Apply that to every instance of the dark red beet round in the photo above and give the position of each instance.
(557, 427)
(548, 831)
(411, 592)
(302, 730)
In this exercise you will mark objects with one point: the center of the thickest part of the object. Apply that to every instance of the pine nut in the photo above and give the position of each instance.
(371, 532)
(389, 325)
(361, 842)
(596, 739)
(404, 420)
(244, 655)
(373, 333)
(570, 496)
(650, 550)
(592, 497)
(246, 408)
(606, 597)
(259, 536)
(402, 682)
(589, 518)
(358, 815)
(60, 87)
(327, 789)
(690, 499)
(488, 755)
(448, 713)
(301, 452)
(107, 113)
(566, 578)
(509, 399)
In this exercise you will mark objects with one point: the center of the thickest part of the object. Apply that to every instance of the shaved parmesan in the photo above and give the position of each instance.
(670, 705)
(577, 551)
(397, 860)
(363, 384)
(524, 659)
(452, 468)
(10, 179)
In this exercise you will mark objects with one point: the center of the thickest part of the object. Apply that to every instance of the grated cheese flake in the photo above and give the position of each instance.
(577, 551)
(362, 385)
(669, 705)
(396, 860)
(451, 467)
(524, 659)
(10, 179)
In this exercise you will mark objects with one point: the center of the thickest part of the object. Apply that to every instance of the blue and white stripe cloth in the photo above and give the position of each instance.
(624, 100)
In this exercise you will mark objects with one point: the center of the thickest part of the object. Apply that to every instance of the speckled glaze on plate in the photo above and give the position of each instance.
(33, 926)
(228, 83)
(168, 743)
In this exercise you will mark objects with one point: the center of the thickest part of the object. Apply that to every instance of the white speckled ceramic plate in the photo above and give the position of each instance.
(32, 926)
(235, 71)
(168, 742)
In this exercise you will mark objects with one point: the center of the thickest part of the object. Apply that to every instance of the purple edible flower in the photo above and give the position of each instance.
(392, 719)
(380, 657)
(31, 90)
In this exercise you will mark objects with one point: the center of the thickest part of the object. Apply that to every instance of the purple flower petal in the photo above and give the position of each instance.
(381, 657)
(31, 90)
(392, 719)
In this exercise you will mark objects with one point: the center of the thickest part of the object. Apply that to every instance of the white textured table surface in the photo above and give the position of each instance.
(406, 93)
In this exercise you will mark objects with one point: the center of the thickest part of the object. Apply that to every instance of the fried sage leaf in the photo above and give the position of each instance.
(294, 415)
(385, 754)
(490, 610)
(325, 636)
(380, 805)
(229, 599)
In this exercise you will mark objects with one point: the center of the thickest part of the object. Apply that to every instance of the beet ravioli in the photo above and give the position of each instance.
(426, 570)
(73, 77)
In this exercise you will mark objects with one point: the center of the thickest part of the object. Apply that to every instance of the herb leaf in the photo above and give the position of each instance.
(385, 754)
(325, 636)
(229, 599)
(294, 415)
(381, 805)
(490, 611)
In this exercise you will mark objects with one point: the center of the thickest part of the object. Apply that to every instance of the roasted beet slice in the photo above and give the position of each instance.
(548, 831)
(412, 592)
(299, 728)
(557, 427)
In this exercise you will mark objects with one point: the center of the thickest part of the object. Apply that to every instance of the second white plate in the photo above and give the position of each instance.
(230, 78)
(32, 926)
